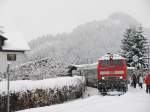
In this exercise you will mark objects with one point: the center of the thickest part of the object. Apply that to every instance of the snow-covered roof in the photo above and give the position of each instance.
(2, 37)
(15, 41)
(114, 56)
(94, 66)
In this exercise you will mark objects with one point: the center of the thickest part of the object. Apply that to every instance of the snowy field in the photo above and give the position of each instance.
(135, 100)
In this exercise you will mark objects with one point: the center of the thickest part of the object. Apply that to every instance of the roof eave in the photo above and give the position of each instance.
(4, 38)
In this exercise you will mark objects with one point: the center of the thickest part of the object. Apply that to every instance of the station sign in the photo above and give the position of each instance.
(135, 58)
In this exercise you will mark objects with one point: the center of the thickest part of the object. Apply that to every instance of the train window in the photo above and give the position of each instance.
(117, 63)
(106, 63)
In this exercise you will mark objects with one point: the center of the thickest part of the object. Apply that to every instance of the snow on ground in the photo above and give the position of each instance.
(90, 92)
(135, 100)
(23, 85)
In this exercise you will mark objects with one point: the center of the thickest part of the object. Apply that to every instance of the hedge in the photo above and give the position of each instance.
(40, 97)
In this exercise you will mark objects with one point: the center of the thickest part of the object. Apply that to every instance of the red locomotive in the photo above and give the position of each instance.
(112, 73)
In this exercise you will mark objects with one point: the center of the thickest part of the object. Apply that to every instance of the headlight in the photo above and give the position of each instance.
(99, 83)
(103, 78)
(121, 77)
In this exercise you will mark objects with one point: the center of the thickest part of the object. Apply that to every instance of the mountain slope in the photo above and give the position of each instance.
(86, 43)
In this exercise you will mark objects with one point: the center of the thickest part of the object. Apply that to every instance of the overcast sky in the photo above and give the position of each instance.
(38, 17)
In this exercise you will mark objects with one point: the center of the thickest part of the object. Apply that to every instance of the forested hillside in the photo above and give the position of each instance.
(86, 43)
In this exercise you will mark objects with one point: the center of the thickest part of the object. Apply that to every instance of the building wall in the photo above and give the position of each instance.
(20, 56)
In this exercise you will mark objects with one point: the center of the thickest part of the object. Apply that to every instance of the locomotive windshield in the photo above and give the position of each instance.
(110, 63)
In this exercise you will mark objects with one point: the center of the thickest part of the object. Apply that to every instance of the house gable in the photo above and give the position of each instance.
(12, 49)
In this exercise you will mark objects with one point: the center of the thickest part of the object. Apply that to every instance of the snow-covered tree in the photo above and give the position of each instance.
(134, 46)
(1, 30)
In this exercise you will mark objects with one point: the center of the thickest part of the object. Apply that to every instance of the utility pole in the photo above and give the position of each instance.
(8, 85)
(148, 55)
(10, 58)
(148, 58)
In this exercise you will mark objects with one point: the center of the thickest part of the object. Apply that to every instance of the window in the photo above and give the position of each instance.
(107, 63)
(11, 57)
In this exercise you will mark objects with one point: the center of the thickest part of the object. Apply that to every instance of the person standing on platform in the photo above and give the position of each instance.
(141, 81)
(134, 79)
(147, 82)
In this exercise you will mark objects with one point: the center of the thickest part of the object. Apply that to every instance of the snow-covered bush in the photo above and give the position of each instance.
(39, 69)
(28, 94)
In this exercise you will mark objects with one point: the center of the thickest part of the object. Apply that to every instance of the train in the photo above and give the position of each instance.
(112, 73)
(109, 73)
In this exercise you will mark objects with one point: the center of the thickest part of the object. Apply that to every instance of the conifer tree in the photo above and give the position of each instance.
(134, 46)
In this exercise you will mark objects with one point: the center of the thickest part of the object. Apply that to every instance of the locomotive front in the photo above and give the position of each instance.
(112, 73)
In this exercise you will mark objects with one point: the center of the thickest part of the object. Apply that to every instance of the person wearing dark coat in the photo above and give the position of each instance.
(134, 79)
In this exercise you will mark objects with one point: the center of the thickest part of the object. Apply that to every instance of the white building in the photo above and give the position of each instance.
(12, 49)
